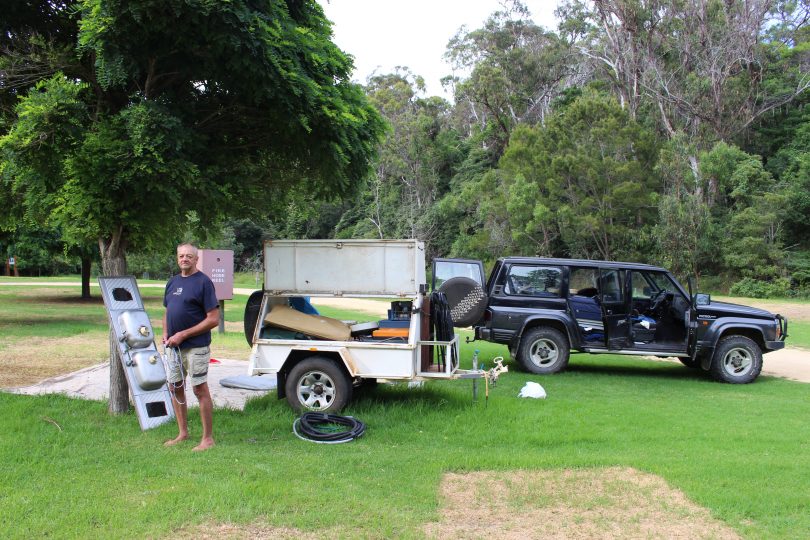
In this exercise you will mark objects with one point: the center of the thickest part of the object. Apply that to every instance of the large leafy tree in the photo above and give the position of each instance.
(582, 185)
(170, 109)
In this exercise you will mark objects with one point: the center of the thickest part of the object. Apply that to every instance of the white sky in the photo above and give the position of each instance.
(383, 34)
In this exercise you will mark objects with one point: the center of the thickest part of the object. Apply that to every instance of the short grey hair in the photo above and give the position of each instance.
(189, 244)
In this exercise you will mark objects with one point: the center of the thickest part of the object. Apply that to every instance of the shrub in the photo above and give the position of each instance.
(756, 288)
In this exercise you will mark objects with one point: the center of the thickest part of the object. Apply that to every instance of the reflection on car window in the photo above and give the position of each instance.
(583, 282)
(447, 269)
(533, 281)
(642, 288)
(611, 285)
(663, 282)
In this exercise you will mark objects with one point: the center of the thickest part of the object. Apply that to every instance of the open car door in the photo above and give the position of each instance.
(615, 298)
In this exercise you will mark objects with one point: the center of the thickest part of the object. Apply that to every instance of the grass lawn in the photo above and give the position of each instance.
(68, 469)
(799, 334)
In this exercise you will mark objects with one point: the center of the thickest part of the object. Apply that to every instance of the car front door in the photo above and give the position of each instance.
(614, 298)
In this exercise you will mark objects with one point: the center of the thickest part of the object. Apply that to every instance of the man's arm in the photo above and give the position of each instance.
(211, 321)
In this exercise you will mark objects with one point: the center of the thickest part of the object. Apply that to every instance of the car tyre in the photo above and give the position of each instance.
(543, 350)
(318, 384)
(736, 360)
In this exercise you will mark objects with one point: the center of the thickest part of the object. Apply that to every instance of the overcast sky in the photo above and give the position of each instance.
(383, 34)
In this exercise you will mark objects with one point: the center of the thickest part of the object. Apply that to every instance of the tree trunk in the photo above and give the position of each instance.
(114, 263)
(86, 265)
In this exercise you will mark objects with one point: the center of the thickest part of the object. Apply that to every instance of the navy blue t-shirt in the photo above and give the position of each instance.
(187, 301)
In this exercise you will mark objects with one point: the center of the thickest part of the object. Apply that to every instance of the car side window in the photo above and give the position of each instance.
(530, 280)
(642, 288)
(611, 285)
(583, 282)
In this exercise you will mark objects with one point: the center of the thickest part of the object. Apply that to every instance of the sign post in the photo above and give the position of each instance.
(218, 265)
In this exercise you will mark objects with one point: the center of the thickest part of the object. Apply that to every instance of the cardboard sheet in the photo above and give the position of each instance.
(311, 325)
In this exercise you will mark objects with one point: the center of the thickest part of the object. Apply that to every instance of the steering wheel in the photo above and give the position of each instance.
(657, 302)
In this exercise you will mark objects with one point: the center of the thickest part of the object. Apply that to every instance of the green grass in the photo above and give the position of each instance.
(743, 452)
(798, 334)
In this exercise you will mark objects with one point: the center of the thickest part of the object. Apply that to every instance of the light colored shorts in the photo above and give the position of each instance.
(195, 365)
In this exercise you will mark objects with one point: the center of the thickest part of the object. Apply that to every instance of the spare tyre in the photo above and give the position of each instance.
(466, 299)
(252, 308)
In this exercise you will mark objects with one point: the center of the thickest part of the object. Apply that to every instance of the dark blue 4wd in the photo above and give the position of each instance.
(543, 309)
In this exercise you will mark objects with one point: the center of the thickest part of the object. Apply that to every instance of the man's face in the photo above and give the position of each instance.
(186, 259)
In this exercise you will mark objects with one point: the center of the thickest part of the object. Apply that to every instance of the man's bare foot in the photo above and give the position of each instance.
(176, 440)
(205, 444)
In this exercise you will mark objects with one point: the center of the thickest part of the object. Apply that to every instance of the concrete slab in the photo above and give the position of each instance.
(94, 383)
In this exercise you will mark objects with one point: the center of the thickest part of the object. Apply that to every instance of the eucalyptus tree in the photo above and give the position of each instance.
(179, 108)
(516, 69)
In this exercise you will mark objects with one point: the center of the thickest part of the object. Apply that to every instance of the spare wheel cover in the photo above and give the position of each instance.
(467, 300)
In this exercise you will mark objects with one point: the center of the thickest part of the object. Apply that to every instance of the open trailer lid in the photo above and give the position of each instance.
(388, 268)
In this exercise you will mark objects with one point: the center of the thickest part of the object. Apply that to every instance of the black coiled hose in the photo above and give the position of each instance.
(442, 325)
(321, 428)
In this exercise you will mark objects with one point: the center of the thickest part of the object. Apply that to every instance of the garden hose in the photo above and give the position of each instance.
(442, 322)
(323, 428)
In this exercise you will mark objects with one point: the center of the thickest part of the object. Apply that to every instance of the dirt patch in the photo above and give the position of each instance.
(30, 360)
(238, 532)
(26, 361)
(616, 502)
(792, 310)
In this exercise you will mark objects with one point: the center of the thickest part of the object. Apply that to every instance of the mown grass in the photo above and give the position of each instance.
(799, 334)
(743, 452)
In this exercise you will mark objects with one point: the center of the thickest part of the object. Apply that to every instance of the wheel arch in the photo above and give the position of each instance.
(752, 332)
(551, 322)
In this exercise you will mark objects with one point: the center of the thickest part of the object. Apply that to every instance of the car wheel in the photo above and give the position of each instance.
(693, 363)
(543, 350)
(737, 360)
(318, 384)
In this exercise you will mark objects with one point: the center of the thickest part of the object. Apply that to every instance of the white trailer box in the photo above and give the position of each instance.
(319, 374)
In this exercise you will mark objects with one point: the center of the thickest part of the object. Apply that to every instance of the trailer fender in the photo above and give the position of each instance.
(341, 355)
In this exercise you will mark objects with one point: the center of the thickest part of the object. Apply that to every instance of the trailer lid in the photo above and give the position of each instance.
(390, 268)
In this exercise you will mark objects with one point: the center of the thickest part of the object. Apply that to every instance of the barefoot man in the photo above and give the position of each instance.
(192, 310)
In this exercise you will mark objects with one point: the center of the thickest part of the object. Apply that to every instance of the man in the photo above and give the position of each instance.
(192, 310)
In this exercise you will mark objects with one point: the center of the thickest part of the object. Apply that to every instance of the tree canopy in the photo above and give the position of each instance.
(169, 109)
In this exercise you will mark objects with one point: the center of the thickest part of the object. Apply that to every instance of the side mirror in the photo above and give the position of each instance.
(703, 299)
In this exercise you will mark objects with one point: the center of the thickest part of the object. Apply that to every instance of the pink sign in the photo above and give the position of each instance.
(218, 265)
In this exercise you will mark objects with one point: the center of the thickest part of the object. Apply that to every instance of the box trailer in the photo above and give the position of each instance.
(317, 360)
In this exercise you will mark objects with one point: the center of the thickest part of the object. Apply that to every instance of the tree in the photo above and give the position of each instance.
(415, 161)
(516, 70)
(584, 177)
(177, 109)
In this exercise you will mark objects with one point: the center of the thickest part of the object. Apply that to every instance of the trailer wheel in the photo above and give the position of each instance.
(318, 384)
(252, 308)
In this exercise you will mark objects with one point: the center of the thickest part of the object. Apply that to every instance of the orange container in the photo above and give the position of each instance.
(390, 332)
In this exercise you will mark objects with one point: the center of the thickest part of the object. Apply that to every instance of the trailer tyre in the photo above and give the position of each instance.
(737, 360)
(543, 350)
(318, 384)
(252, 308)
